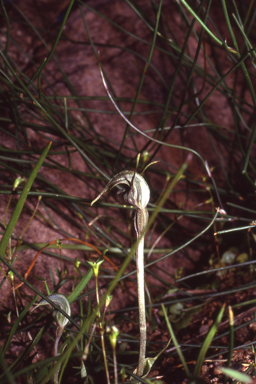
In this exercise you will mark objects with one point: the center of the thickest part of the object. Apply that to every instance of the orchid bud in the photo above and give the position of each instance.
(63, 303)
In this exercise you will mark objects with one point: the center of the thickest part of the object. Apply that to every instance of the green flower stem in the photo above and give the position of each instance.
(141, 302)
(140, 222)
(96, 267)
(104, 355)
(59, 332)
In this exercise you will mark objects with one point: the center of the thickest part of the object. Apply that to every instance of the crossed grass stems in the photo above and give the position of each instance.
(49, 112)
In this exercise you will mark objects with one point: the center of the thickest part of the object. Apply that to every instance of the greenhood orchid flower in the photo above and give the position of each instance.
(136, 193)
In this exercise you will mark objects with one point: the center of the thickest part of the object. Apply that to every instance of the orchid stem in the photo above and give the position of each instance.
(141, 302)
(59, 332)
(140, 222)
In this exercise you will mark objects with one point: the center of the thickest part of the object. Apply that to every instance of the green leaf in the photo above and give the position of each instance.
(19, 206)
(207, 343)
(175, 342)
(187, 315)
(238, 376)
(80, 286)
(149, 361)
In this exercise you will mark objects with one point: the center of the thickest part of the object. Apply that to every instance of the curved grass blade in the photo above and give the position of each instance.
(175, 342)
(238, 376)
(15, 326)
(207, 342)
(19, 206)
(7, 374)
(204, 26)
(141, 81)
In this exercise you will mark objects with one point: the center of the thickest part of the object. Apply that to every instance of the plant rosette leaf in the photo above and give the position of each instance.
(149, 361)
(180, 316)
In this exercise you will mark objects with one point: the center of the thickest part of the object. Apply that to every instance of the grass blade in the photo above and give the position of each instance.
(19, 206)
(175, 342)
(207, 342)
